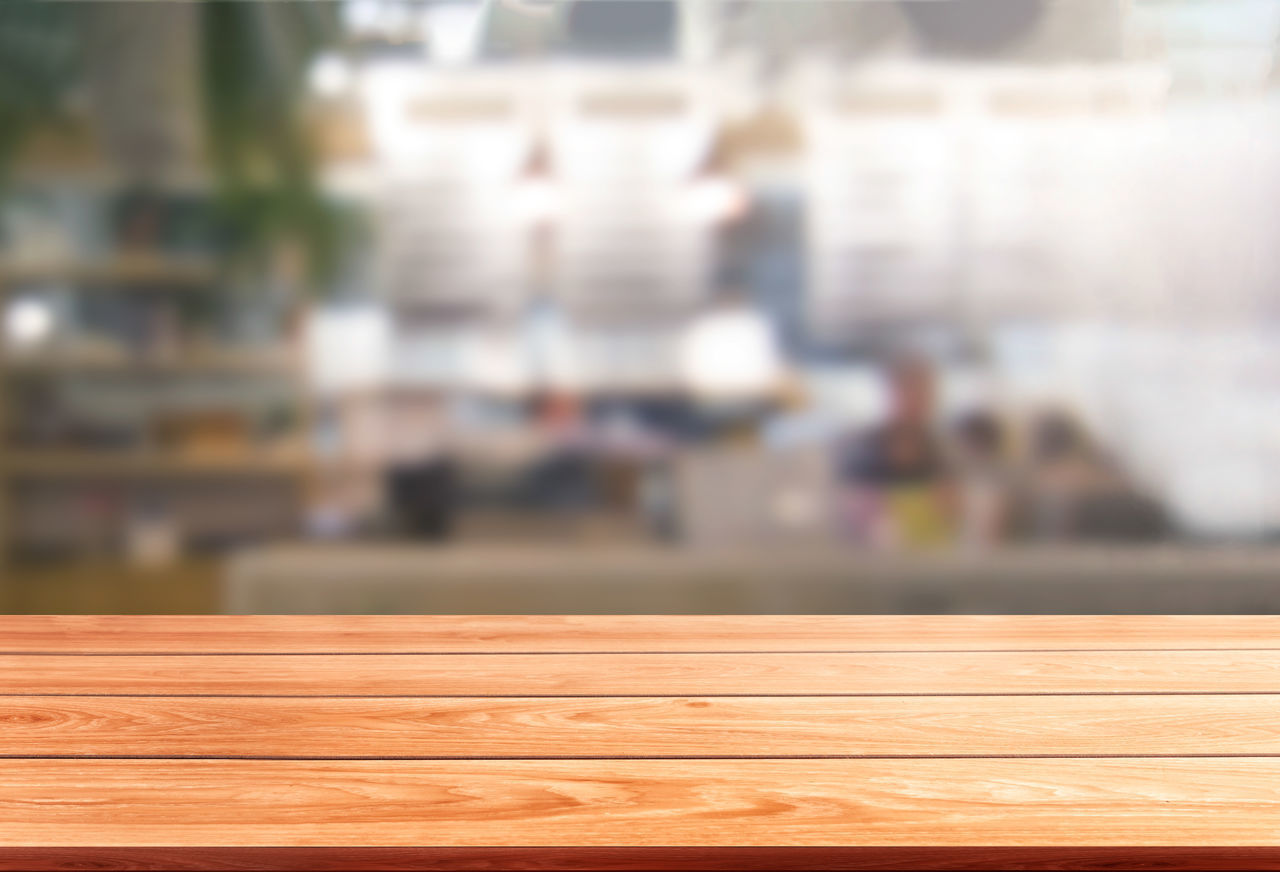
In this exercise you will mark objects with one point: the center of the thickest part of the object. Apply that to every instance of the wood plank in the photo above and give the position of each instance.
(639, 727)
(1006, 672)
(632, 859)
(513, 633)
(1060, 802)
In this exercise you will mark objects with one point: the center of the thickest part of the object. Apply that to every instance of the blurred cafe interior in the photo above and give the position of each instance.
(658, 306)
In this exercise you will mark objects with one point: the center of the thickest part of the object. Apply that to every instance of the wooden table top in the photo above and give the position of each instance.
(632, 742)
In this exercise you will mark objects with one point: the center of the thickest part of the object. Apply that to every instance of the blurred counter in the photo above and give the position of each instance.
(554, 579)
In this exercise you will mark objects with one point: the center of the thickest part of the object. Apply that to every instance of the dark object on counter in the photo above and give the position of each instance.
(423, 498)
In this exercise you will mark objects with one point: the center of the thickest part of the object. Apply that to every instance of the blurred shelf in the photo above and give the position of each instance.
(146, 270)
(219, 363)
(33, 463)
(101, 585)
(160, 353)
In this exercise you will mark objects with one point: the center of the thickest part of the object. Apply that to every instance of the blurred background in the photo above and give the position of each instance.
(640, 306)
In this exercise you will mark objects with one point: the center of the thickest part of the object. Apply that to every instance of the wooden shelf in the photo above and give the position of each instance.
(220, 363)
(144, 464)
(151, 271)
(159, 279)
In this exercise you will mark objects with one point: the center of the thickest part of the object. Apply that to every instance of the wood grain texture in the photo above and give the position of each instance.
(695, 743)
(687, 859)
(922, 672)
(639, 727)
(979, 803)
(212, 634)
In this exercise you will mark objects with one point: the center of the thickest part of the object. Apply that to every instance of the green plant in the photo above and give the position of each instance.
(253, 63)
(38, 66)
(251, 60)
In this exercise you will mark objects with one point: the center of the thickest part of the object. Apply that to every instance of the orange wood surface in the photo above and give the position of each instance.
(320, 727)
(988, 801)
(456, 743)
(657, 674)
(442, 634)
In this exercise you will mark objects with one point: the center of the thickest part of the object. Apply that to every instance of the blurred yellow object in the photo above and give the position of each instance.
(919, 519)
(214, 433)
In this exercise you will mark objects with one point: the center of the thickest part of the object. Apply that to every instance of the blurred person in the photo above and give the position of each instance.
(1074, 491)
(1063, 468)
(561, 478)
(895, 474)
(983, 478)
